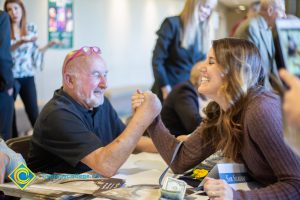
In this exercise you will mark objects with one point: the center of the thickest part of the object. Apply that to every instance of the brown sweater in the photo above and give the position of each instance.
(268, 159)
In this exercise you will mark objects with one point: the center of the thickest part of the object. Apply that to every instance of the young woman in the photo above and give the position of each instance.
(243, 121)
(26, 56)
(182, 41)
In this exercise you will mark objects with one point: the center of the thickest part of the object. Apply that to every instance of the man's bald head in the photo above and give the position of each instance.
(84, 78)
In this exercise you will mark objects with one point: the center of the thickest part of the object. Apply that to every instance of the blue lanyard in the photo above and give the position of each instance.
(173, 157)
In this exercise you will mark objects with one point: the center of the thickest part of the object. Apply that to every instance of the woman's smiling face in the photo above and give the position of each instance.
(211, 77)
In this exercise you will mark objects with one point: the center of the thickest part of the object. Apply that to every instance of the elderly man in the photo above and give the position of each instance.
(78, 129)
(258, 30)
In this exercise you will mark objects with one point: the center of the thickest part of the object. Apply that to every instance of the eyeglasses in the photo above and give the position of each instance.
(86, 50)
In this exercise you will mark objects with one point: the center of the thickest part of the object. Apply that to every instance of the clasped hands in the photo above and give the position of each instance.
(146, 104)
(149, 105)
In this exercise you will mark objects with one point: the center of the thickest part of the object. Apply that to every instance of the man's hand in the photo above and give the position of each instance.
(166, 91)
(10, 91)
(146, 104)
(217, 189)
(3, 163)
(291, 98)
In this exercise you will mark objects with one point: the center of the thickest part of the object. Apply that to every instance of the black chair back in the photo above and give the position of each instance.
(20, 145)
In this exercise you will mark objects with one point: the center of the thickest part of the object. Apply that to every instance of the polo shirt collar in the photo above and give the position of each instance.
(61, 92)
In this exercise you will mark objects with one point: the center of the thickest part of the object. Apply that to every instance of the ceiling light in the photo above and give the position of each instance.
(242, 7)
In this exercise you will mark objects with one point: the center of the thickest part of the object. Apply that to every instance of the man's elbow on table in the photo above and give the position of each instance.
(98, 162)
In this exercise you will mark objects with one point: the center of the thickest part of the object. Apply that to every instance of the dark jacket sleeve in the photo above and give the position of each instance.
(161, 52)
(6, 76)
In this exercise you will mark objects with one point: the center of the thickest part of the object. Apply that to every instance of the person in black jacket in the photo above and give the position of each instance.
(181, 109)
(182, 41)
(6, 78)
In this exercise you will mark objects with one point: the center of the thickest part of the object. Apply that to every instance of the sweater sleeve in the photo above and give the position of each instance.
(264, 126)
(191, 153)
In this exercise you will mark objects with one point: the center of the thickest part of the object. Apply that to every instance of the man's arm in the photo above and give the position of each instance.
(9, 160)
(4, 160)
(107, 160)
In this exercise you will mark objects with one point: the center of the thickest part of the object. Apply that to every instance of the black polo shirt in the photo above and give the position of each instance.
(65, 132)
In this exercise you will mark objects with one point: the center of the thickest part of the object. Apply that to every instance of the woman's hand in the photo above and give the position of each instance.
(50, 44)
(54, 42)
(136, 100)
(217, 189)
(27, 38)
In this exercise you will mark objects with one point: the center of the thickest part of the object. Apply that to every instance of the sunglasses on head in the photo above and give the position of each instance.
(85, 50)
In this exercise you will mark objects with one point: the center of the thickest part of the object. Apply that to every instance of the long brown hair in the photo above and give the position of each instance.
(23, 22)
(241, 65)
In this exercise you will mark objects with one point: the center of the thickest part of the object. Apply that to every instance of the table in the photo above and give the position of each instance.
(139, 169)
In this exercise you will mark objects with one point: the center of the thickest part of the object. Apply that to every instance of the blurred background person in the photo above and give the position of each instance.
(27, 56)
(6, 79)
(291, 106)
(291, 109)
(182, 41)
(258, 30)
(253, 10)
(181, 111)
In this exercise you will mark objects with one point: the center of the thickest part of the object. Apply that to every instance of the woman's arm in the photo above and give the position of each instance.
(192, 152)
(48, 45)
(23, 40)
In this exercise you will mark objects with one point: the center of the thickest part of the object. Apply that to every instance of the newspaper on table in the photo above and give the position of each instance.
(86, 183)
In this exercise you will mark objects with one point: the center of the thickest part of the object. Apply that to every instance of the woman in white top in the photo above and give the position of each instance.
(27, 56)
